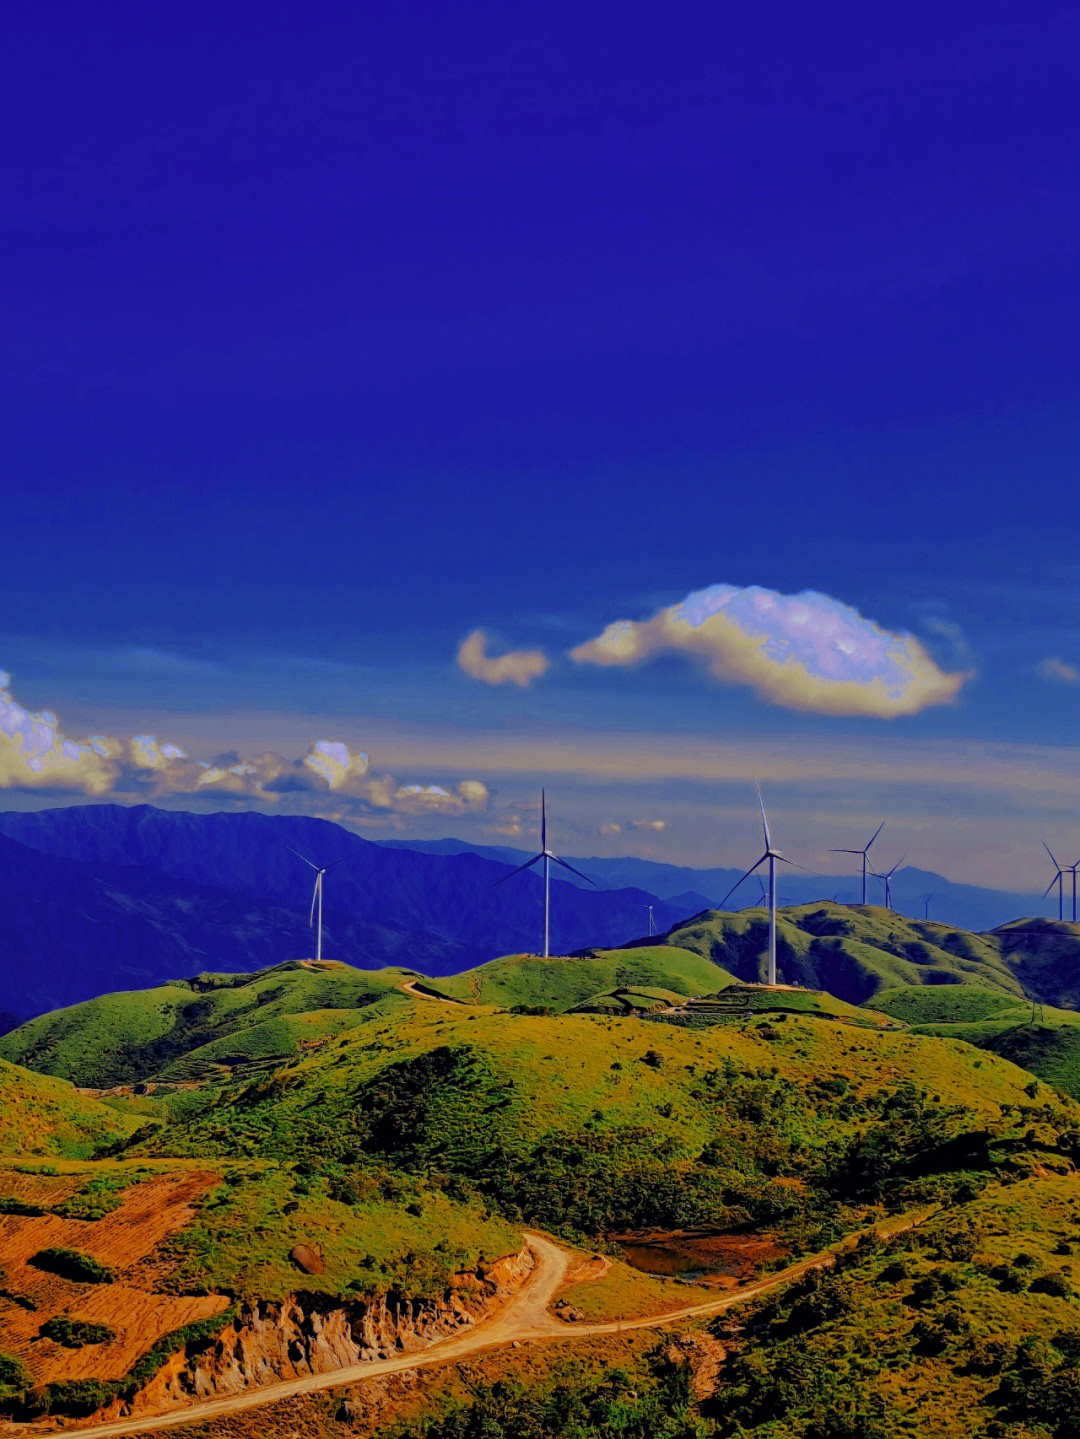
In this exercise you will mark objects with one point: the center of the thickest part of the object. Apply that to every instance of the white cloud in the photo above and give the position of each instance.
(1058, 671)
(804, 652)
(519, 667)
(35, 754)
(611, 828)
(656, 825)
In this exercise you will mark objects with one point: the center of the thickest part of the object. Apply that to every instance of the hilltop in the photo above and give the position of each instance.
(853, 951)
(43, 1116)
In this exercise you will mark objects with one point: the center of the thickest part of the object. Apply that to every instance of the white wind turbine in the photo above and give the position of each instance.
(652, 926)
(887, 875)
(315, 918)
(547, 856)
(864, 851)
(772, 855)
(1059, 880)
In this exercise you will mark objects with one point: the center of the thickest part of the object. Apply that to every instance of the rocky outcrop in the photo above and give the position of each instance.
(271, 1341)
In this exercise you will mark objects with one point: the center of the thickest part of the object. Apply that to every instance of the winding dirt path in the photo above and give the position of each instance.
(524, 1319)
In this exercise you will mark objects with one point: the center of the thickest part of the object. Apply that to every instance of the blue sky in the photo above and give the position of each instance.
(332, 339)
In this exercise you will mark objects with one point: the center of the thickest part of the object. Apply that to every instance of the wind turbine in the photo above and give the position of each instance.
(652, 927)
(1059, 880)
(547, 856)
(864, 851)
(924, 900)
(315, 918)
(1072, 870)
(887, 877)
(772, 855)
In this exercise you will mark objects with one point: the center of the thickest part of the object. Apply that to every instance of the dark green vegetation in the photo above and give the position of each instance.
(1034, 1036)
(71, 1264)
(653, 1401)
(75, 1333)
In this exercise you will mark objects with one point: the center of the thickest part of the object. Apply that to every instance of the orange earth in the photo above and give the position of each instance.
(150, 1210)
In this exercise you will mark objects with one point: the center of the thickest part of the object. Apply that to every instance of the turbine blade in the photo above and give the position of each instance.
(527, 865)
(1050, 886)
(314, 897)
(747, 875)
(543, 820)
(793, 863)
(1050, 852)
(764, 821)
(334, 862)
(301, 856)
(874, 836)
(572, 870)
(847, 851)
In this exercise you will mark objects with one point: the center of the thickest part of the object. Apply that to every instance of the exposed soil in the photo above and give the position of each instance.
(149, 1212)
(720, 1259)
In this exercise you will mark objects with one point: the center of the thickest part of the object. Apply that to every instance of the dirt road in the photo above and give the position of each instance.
(525, 1319)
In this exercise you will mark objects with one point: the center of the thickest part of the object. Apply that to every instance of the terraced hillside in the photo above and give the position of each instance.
(853, 951)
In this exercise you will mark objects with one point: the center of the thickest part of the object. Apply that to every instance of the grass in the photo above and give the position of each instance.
(42, 1116)
(563, 983)
(624, 1292)
(852, 951)
(1042, 1039)
(189, 1028)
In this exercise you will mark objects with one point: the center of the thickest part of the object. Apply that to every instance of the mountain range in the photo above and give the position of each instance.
(100, 897)
(95, 898)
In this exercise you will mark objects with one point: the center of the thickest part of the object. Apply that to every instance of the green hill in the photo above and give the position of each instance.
(853, 951)
(1040, 1038)
(45, 1117)
(193, 1028)
(562, 982)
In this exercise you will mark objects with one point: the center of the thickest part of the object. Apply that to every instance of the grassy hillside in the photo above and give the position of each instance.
(593, 1125)
(45, 1117)
(1042, 1039)
(560, 983)
(187, 1029)
(850, 950)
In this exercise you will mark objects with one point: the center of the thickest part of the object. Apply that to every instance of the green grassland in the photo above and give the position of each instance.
(45, 1117)
(1039, 1038)
(185, 1029)
(376, 1231)
(562, 983)
(589, 1125)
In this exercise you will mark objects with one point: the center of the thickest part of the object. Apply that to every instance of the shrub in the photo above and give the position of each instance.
(12, 1204)
(75, 1333)
(14, 1376)
(1055, 1284)
(71, 1264)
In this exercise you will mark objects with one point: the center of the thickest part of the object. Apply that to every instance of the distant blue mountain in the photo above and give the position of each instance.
(102, 897)
(965, 905)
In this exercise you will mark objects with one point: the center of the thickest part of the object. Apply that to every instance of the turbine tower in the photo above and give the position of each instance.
(547, 856)
(1059, 880)
(652, 927)
(1072, 870)
(924, 900)
(772, 855)
(315, 918)
(864, 851)
(887, 877)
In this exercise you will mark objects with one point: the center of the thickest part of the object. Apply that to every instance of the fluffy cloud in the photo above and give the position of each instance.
(35, 754)
(1059, 672)
(656, 825)
(518, 667)
(611, 828)
(804, 652)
